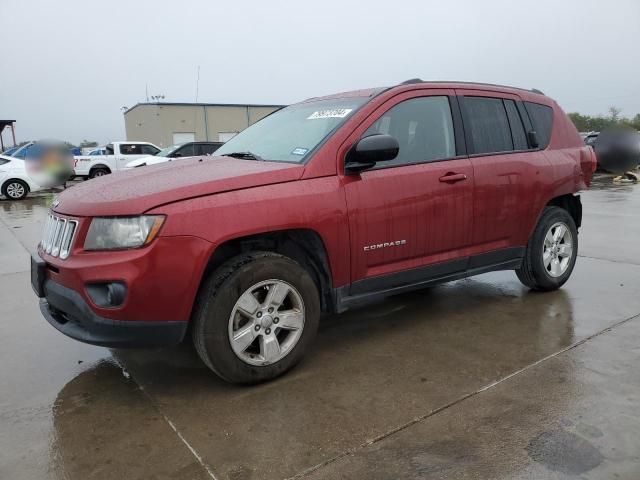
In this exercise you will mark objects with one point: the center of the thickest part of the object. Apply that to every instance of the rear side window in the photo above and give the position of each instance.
(518, 134)
(130, 149)
(3, 161)
(423, 127)
(486, 119)
(542, 120)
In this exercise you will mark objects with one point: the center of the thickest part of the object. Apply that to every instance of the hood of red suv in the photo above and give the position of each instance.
(136, 191)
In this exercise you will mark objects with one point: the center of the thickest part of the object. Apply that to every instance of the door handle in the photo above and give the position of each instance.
(453, 177)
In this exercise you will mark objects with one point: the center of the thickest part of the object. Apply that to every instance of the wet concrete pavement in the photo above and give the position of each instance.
(474, 379)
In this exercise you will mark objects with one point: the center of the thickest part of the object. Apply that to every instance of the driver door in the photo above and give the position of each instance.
(411, 217)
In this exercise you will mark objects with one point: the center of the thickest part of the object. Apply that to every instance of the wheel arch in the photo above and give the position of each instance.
(571, 203)
(101, 166)
(305, 246)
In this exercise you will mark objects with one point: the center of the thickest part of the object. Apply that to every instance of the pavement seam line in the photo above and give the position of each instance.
(173, 427)
(458, 400)
(626, 262)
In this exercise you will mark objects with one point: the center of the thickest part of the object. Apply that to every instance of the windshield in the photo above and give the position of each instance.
(290, 134)
(165, 152)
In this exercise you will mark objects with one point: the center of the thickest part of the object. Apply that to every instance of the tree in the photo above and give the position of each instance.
(614, 114)
(86, 144)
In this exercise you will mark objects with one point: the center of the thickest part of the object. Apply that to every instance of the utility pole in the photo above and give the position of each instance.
(197, 83)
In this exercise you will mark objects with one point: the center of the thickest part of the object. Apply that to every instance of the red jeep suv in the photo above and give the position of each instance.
(320, 206)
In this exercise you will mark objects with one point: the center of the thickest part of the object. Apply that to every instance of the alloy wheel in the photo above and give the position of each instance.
(557, 250)
(15, 190)
(266, 322)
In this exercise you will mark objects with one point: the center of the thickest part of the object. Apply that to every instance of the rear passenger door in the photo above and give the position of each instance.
(414, 211)
(506, 170)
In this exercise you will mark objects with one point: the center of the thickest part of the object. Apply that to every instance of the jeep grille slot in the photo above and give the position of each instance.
(58, 236)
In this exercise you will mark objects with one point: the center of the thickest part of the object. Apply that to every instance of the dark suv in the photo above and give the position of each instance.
(319, 207)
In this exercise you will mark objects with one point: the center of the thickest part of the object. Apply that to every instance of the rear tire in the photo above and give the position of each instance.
(15, 189)
(242, 300)
(98, 172)
(551, 252)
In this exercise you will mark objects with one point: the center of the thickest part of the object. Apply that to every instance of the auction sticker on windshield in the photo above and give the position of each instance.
(330, 113)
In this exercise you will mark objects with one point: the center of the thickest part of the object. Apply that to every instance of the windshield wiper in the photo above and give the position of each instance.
(244, 155)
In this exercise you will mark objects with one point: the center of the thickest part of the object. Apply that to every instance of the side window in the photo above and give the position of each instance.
(517, 128)
(542, 119)
(148, 149)
(486, 120)
(208, 148)
(3, 161)
(423, 127)
(108, 150)
(186, 151)
(130, 149)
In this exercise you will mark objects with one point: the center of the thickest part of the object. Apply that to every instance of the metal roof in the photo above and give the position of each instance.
(188, 104)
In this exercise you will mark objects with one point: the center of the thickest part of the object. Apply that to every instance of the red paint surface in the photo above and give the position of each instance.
(218, 199)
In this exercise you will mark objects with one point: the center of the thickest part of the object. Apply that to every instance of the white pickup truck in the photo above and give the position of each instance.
(116, 157)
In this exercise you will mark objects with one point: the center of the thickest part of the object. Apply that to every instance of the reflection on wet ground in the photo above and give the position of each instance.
(478, 378)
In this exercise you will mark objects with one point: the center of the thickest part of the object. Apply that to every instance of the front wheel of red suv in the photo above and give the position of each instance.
(255, 317)
(551, 252)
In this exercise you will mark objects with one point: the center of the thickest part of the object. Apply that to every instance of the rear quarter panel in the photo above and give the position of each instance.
(569, 166)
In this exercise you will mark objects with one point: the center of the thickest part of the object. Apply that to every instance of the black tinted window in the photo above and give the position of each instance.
(3, 161)
(542, 119)
(208, 148)
(486, 119)
(185, 151)
(423, 128)
(517, 128)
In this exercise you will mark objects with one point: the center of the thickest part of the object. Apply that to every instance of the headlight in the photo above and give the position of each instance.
(110, 233)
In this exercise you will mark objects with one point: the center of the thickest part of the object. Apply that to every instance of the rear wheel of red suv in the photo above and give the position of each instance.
(255, 317)
(551, 252)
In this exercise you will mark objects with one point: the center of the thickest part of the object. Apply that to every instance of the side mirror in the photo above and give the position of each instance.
(175, 155)
(370, 150)
(533, 139)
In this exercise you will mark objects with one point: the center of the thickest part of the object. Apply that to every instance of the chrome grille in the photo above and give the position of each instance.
(58, 236)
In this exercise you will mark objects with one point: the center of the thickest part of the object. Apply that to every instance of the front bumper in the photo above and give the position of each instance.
(67, 311)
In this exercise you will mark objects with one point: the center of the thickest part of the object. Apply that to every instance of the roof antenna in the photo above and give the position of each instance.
(197, 83)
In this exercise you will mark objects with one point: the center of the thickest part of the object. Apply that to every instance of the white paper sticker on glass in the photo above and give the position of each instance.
(330, 113)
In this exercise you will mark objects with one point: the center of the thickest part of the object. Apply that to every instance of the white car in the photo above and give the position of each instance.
(15, 183)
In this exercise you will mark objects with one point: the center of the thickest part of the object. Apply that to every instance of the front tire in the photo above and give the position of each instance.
(255, 317)
(551, 252)
(15, 189)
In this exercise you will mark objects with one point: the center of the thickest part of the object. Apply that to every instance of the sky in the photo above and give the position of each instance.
(69, 66)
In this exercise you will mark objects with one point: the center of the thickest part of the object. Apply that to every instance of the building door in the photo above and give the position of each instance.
(183, 137)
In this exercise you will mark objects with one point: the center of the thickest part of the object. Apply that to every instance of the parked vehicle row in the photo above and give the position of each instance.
(319, 207)
(182, 150)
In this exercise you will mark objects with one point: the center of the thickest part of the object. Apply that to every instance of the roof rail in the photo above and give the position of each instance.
(419, 80)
